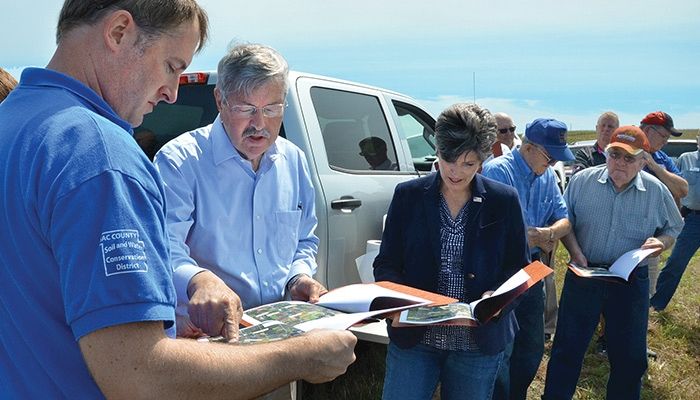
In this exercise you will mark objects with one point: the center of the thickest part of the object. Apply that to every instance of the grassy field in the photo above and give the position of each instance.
(575, 136)
(674, 334)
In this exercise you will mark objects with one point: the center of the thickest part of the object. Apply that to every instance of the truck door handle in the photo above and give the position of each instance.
(346, 203)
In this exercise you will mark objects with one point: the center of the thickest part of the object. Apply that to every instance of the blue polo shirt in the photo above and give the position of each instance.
(662, 158)
(83, 234)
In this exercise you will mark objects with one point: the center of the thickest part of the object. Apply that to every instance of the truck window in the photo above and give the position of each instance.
(195, 107)
(355, 131)
(417, 128)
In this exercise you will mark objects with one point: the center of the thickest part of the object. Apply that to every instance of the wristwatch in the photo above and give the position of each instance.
(294, 280)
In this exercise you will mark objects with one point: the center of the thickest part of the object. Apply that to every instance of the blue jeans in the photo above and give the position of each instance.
(523, 356)
(686, 245)
(414, 373)
(625, 307)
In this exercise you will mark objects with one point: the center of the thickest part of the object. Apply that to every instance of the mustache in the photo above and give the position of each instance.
(251, 131)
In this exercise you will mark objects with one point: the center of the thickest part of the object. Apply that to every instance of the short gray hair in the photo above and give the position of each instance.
(463, 128)
(246, 67)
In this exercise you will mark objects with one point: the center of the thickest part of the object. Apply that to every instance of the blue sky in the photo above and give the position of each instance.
(530, 59)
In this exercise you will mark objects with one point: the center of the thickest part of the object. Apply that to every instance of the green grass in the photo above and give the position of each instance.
(577, 136)
(674, 334)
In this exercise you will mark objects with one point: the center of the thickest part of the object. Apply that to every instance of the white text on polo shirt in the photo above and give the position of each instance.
(123, 252)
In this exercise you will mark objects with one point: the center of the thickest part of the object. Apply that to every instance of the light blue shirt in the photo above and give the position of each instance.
(540, 197)
(607, 223)
(689, 164)
(253, 229)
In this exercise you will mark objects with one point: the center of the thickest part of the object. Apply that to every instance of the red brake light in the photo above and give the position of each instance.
(194, 78)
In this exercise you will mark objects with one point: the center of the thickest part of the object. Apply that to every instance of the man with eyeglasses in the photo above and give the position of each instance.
(613, 208)
(528, 170)
(505, 131)
(241, 212)
(658, 127)
(590, 157)
(86, 290)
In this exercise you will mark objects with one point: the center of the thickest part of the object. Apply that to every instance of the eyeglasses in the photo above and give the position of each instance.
(506, 130)
(550, 160)
(247, 110)
(616, 155)
(664, 135)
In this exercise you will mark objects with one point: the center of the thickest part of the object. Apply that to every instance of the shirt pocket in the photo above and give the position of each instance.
(639, 229)
(692, 176)
(286, 235)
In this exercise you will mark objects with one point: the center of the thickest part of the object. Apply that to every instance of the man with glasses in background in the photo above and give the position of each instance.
(241, 213)
(527, 170)
(658, 128)
(505, 129)
(613, 209)
(506, 139)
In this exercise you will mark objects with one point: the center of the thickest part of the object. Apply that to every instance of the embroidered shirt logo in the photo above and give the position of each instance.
(123, 252)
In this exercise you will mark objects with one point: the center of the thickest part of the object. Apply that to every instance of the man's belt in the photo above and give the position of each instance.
(685, 211)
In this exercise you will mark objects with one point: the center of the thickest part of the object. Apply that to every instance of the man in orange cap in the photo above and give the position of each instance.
(613, 208)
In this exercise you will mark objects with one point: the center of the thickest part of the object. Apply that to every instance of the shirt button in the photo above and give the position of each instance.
(257, 217)
(470, 276)
(259, 251)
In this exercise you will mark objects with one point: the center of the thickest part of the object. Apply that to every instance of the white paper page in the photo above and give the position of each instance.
(624, 265)
(344, 321)
(514, 281)
(358, 297)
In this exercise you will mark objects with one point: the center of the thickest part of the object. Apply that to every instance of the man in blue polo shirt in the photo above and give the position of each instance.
(528, 170)
(85, 279)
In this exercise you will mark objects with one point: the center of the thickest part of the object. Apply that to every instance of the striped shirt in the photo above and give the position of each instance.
(689, 164)
(451, 278)
(607, 223)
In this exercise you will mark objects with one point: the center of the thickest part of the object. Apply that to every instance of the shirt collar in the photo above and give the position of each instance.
(637, 182)
(522, 165)
(49, 78)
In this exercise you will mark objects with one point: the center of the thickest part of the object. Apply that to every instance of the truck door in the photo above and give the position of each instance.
(360, 158)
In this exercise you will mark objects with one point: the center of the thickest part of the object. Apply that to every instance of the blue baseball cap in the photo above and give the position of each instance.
(550, 134)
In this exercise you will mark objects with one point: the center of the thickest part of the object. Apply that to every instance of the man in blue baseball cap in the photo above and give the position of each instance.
(528, 170)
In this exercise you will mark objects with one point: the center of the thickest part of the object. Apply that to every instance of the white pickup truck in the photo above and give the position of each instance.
(327, 118)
